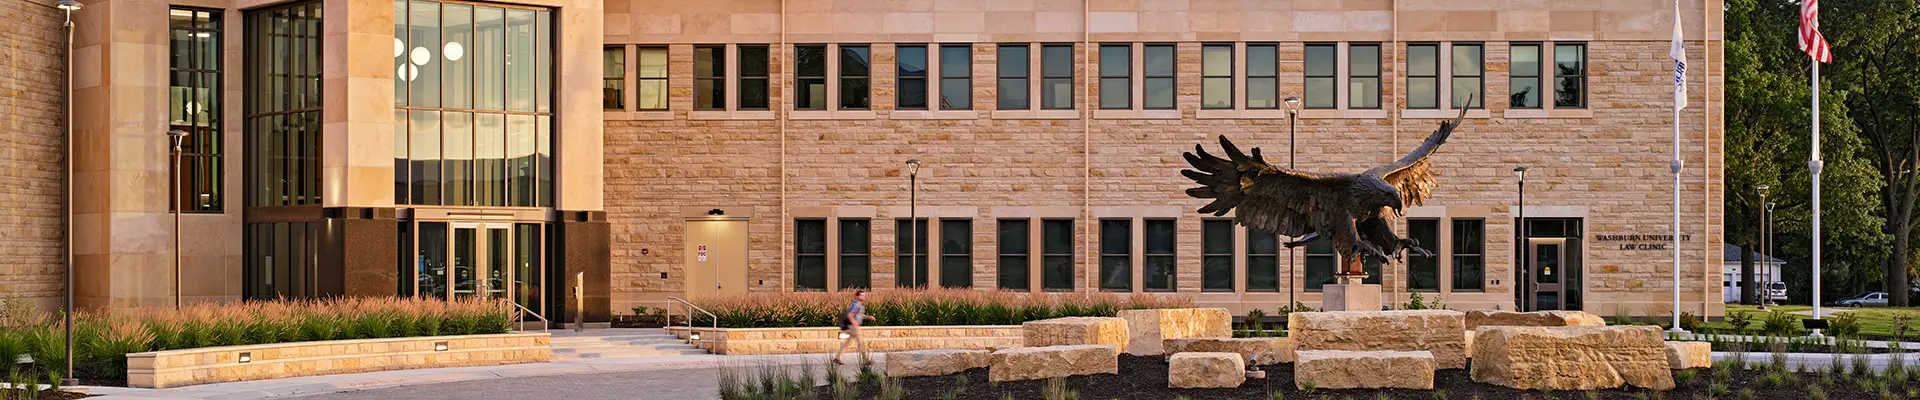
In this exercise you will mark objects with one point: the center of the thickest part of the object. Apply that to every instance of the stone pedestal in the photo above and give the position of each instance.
(1349, 294)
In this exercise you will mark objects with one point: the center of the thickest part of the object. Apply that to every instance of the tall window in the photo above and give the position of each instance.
(1216, 76)
(1159, 271)
(810, 77)
(956, 253)
(956, 77)
(912, 91)
(854, 77)
(194, 105)
(810, 252)
(1013, 70)
(613, 66)
(1469, 76)
(1363, 76)
(754, 84)
(1570, 75)
(910, 264)
(1056, 77)
(1015, 250)
(1216, 255)
(1116, 254)
(1263, 84)
(1321, 84)
(1116, 76)
(1423, 272)
(1523, 82)
(478, 120)
(1263, 262)
(1157, 86)
(710, 77)
(283, 105)
(856, 264)
(653, 79)
(1056, 254)
(1423, 76)
(1322, 264)
(1469, 257)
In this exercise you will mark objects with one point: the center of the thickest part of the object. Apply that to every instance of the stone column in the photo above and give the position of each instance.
(1350, 293)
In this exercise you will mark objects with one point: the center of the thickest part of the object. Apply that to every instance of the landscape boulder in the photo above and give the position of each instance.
(1259, 351)
(1340, 369)
(934, 362)
(1052, 361)
(1075, 331)
(1147, 329)
(1441, 332)
(1206, 370)
(1571, 357)
(1685, 355)
(1479, 318)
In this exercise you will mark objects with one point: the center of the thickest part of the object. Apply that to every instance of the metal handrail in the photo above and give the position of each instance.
(690, 309)
(521, 311)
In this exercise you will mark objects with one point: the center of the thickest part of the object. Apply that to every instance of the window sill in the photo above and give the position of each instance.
(619, 115)
(935, 114)
(1478, 113)
(1136, 114)
(1551, 113)
(1241, 114)
(1031, 114)
(834, 114)
(1343, 114)
(730, 115)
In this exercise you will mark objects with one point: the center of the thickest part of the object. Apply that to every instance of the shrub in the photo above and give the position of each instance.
(1253, 319)
(1780, 324)
(1844, 325)
(1689, 322)
(1740, 320)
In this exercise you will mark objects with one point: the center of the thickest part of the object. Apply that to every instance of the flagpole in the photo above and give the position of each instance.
(1679, 101)
(1814, 165)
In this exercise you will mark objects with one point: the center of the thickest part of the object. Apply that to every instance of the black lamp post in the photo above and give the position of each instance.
(1293, 116)
(69, 6)
(173, 189)
(1760, 290)
(1526, 275)
(913, 220)
(1767, 245)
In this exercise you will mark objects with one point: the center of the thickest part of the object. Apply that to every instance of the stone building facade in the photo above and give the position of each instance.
(30, 89)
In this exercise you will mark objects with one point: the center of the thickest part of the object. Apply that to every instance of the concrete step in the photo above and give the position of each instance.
(598, 349)
(627, 353)
(619, 338)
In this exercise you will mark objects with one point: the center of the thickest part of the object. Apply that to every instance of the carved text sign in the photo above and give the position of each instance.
(1641, 242)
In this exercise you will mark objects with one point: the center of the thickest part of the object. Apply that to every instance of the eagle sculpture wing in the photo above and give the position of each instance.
(1412, 175)
(1269, 198)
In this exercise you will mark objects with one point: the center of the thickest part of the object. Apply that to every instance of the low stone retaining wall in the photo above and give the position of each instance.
(175, 368)
(879, 339)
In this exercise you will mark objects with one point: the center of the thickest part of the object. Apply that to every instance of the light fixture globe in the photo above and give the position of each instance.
(1293, 103)
(69, 5)
(399, 48)
(453, 51)
(913, 167)
(420, 56)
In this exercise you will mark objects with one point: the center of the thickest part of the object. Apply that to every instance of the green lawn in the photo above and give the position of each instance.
(1875, 322)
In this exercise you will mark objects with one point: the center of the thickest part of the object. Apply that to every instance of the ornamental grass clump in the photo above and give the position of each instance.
(913, 307)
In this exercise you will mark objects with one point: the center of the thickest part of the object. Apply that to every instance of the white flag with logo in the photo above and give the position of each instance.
(1679, 54)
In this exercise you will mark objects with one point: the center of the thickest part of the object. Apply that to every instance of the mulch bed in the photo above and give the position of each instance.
(1146, 378)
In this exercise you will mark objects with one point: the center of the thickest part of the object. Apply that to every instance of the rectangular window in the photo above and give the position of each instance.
(1116, 76)
(1263, 83)
(810, 77)
(710, 77)
(810, 251)
(1263, 261)
(1469, 257)
(1158, 271)
(283, 117)
(956, 253)
(652, 83)
(1216, 76)
(1216, 255)
(856, 262)
(1158, 85)
(1570, 75)
(754, 66)
(855, 77)
(1523, 82)
(1322, 264)
(1423, 76)
(1013, 71)
(1056, 255)
(194, 104)
(613, 66)
(956, 77)
(1363, 76)
(1015, 250)
(1116, 255)
(912, 66)
(1321, 82)
(1056, 77)
(910, 264)
(1423, 272)
(1469, 76)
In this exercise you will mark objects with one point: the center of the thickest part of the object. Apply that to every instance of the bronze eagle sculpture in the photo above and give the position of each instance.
(1355, 211)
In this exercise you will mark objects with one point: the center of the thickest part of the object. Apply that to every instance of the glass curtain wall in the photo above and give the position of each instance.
(282, 154)
(194, 105)
(473, 95)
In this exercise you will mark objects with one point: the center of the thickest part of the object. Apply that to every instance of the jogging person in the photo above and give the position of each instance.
(850, 327)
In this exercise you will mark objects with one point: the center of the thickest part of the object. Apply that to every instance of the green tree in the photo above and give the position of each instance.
(1877, 66)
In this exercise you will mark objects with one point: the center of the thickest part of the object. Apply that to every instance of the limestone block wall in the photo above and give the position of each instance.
(175, 368)
(750, 341)
(32, 68)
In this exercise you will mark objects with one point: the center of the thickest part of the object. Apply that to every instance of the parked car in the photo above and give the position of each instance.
(1873, 299)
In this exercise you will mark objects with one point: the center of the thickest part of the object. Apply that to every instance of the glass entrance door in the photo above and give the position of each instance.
(486, 260)
(1549, 274)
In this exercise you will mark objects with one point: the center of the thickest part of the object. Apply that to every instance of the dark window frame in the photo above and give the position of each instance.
(1207, 238)
(1309, 255)
(967, 77)
(866, 253)
(1538, 74)
(717, 80)
(1379, 70)
(1171, 256)
(1479, 102)
(202, 152)
(965, 253)
(1580, 76)
(1002, 77)
(1047, 254)
(1273, 76)
(1333, 75)
(800, 255)
(641, 78)
(1006, 255)
(1048, 81)
(902, 81)
(763, 82)
(1124, 76)
(1108, 254)
(1414, 74)
(1232, 61)
(918, 276)
(1146, 76)
(1253, 258)
(866, 92)
(802, 77)
(1434, 247)
(1459, 254)
(613, 88)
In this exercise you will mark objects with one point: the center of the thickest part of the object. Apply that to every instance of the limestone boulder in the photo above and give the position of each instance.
(1479, 318)
(1052, 361)
(1075, 331)
(1441, 332)
(1259, 351)
(934, 362)
(1206, 370)
(1147, 329)
(1340, 369)
(1571, 357)
(1685, 355)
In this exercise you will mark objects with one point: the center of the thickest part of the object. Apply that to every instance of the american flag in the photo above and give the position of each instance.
(1810, 39)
